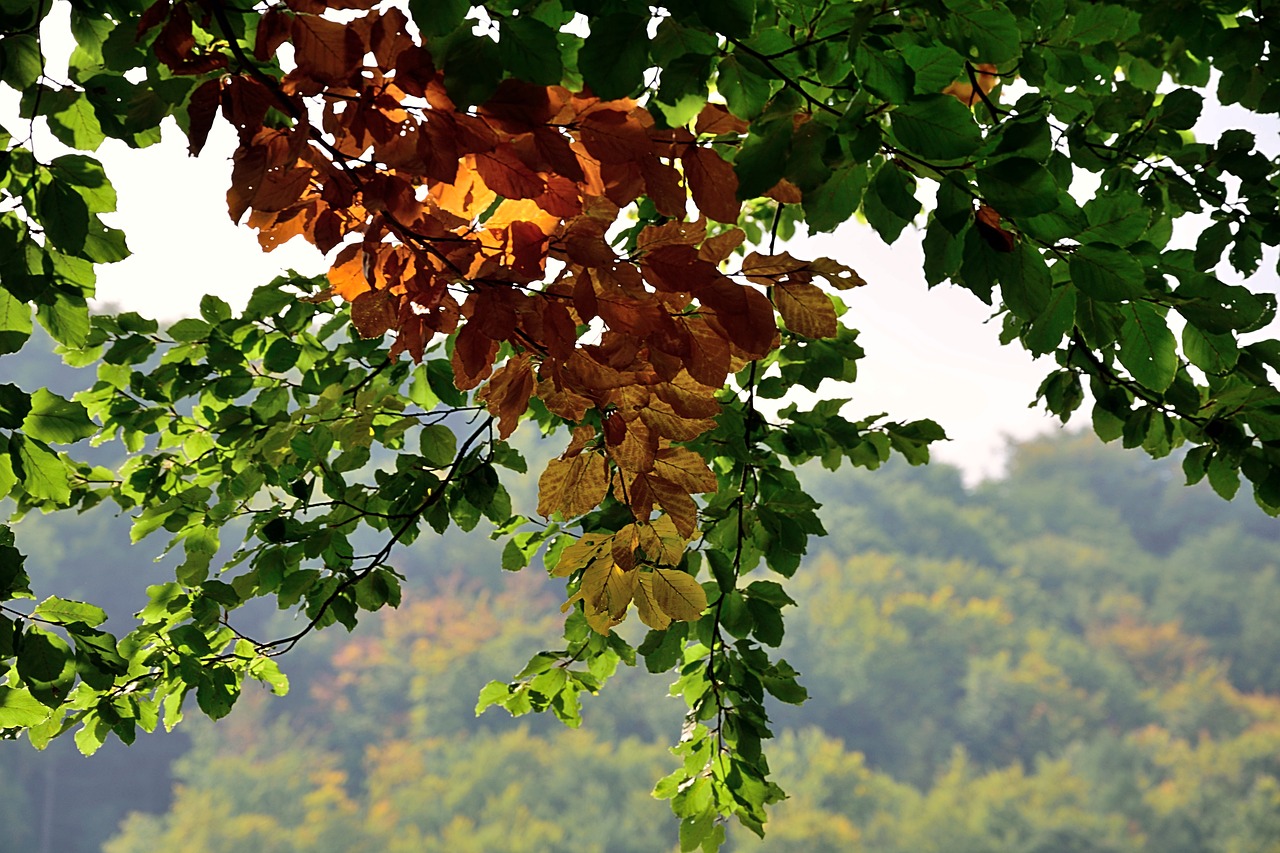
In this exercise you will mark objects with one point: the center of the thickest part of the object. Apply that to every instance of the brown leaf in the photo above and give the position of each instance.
(373, 313)
(504, 173)
(712, 183)
(324, 50)
(715, 119)
(202, 110)
(745, 317)
(988, 222)
(473, 353)
(676, 502)
(507, 393)
(806, 310)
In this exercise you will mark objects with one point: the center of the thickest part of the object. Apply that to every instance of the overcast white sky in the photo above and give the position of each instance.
(929, 353)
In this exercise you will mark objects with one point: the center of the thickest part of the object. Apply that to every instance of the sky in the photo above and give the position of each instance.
(930, 353)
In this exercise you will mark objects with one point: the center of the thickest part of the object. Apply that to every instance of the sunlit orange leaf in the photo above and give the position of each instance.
(678, 594)
(672, 426)
(806, 310)
(712, 183)
(962, 90)
(661, 542)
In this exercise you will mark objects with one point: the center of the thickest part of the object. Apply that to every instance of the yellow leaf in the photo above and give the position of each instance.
(686, 469)
(580, 554)
(574, 486)
(647, 606)
(678, 594)
(606, 591)
(661, 542)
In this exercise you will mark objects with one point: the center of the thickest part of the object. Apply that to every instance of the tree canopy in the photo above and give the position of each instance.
(567, 212)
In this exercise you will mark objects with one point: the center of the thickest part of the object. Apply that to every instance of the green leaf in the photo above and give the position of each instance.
(1147, 347)
(15, 322)
(64, 611)
(54, 419)
(530, 51)
(937, 127)
(66, 319)
(734, 18)
(1095, 23)
(76, 125)
(890, 203)
(1018, 187)
(1107, 273)
(834, 203)
(935, 67)
(20, 61)
(1180, 109)
(438, 445)
(438, 17)
(14, 405)
(744, 84)
(884, 72)
(989, 35)
(615, 55)
(64, 214)
(44, 475)
(19, 709)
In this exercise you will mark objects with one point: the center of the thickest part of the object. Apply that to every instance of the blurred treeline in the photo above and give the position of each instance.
(1080, 656)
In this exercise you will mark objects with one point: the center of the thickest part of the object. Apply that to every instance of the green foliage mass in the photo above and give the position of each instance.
(1048, 698)
(284, 461)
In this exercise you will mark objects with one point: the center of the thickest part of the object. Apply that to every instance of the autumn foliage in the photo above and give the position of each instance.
(497, 223)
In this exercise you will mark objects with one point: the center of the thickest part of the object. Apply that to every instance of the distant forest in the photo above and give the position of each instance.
(1079, 656)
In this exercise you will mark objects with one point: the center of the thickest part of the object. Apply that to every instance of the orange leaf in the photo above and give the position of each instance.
(712, 183)
(806, 310)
